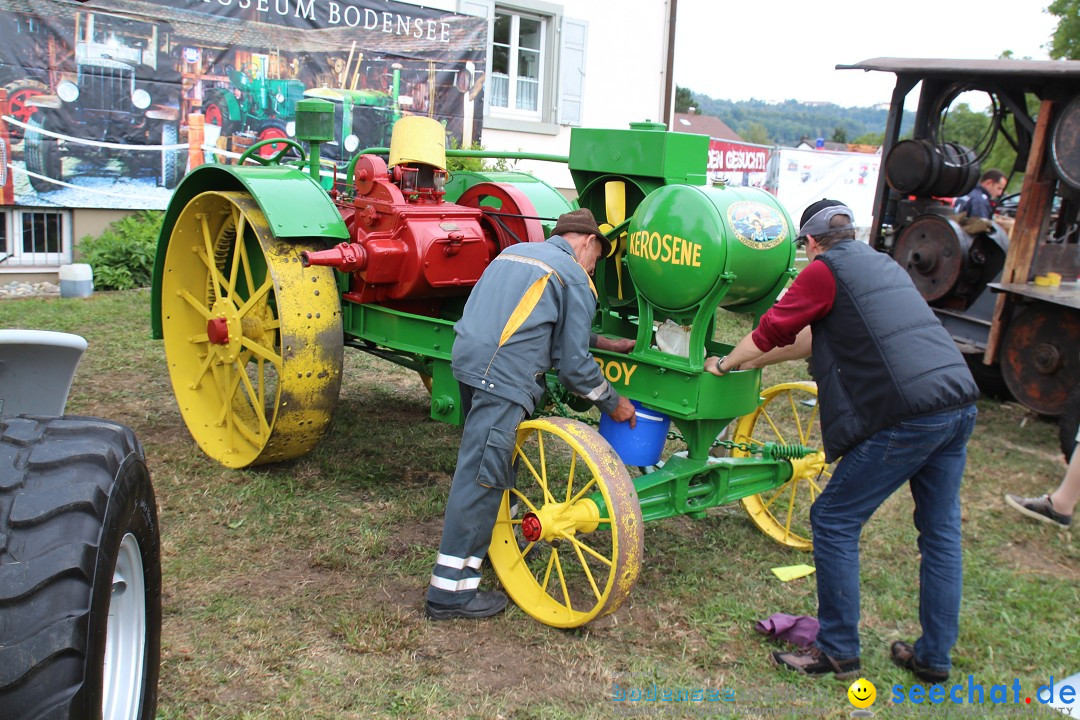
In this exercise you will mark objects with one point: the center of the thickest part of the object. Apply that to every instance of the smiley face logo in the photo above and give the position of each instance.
(862, 693)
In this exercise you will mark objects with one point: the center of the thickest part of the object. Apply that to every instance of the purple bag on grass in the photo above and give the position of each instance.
(798, 630)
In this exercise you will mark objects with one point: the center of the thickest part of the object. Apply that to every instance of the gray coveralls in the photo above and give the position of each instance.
(531, 310)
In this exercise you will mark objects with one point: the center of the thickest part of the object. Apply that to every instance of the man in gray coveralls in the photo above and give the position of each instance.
(531, 311)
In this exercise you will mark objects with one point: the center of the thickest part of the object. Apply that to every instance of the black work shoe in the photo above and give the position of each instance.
(811, 661)
(484, 604)
(903, 655)
(1039, 508)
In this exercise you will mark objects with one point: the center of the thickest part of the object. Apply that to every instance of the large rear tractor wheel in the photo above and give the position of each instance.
(80, 572)
(253, 339)
(271, 130)
(216, 112)
(788, 414)
(568, 540)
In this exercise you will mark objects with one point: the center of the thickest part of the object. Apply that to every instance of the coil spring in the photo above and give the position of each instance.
(779, 451)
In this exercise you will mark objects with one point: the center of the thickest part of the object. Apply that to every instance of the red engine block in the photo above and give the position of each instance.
(410, 248)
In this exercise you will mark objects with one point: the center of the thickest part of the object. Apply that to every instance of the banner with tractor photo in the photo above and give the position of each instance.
(99, 94)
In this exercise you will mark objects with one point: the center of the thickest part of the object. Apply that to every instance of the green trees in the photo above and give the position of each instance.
(788, 122)
(684, 99)
(1065, 42)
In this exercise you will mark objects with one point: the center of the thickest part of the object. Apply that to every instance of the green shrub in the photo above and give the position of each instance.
(122, 257)
(454, 164)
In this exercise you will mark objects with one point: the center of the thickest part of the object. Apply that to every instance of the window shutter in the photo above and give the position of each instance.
(479, 8)
(572, 70)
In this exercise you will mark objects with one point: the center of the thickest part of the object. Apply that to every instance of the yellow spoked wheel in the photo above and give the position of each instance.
(788, 414)
(562, 558)
(253, 339)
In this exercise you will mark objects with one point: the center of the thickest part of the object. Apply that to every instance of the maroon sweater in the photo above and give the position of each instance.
(809, 298)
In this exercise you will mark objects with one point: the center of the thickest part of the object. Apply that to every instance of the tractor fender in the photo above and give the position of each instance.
(295, 205)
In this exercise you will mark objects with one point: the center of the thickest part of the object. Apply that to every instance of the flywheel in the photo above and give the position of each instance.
(933, 250)
(1040, 356)
(253, 339)
(509, 216)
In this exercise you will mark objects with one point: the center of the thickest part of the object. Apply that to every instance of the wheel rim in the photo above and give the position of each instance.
(212, 115)
(253, 339)
(788, 414)
(271, 133)
(125, 636)
(559, 577)
(20, 110)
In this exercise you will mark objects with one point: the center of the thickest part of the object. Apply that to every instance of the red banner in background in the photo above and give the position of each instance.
(726, 156)
(736, 163)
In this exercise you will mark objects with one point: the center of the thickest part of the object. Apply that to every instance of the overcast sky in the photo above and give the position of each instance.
(776, 50)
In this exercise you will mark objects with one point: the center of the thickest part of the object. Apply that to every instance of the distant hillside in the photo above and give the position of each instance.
(789, 122)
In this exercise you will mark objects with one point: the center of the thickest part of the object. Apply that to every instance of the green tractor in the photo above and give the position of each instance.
(255, 104)
(264, 276)
(362, 118)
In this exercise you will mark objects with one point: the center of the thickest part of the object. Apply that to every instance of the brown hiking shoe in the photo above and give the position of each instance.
(811, 661)
(903, 655)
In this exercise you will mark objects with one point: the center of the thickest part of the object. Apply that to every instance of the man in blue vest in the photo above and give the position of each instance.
(979, 203)
(897, 404)
(531, 311)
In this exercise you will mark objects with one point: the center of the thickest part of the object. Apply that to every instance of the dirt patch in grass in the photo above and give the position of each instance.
(1032, 559)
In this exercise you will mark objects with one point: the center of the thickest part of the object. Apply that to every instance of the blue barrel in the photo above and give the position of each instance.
(641, 445)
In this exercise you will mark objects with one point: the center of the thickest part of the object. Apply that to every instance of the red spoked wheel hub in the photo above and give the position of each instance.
(217, 331)
(531, 528)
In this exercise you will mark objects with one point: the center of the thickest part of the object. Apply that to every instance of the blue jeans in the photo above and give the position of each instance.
(931, 451)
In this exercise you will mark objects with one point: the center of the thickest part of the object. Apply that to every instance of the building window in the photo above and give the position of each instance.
(519, 54)
(536, 65)
(34, 238)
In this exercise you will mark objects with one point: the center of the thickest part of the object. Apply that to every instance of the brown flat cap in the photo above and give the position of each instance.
(582, 221)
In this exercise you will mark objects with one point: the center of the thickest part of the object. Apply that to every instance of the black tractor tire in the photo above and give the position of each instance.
(1069, 422)
(42, 155)
(988, 377)
(78, 540)
(173, 162)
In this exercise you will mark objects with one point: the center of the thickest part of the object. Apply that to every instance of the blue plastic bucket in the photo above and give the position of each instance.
(643, 445)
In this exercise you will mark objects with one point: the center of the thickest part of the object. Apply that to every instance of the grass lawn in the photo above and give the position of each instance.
(296, 590)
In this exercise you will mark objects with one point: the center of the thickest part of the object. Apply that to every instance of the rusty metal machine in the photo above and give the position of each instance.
(264, 273)
(1008, 295)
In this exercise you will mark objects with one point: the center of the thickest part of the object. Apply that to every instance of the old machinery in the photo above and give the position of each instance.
(264, 274)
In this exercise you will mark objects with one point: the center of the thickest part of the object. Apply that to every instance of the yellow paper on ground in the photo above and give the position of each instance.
(792, 571)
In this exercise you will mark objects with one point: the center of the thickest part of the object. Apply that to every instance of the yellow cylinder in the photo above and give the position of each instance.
(418, 139)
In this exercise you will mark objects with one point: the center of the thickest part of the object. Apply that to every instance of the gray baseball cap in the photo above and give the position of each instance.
(818, 223)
